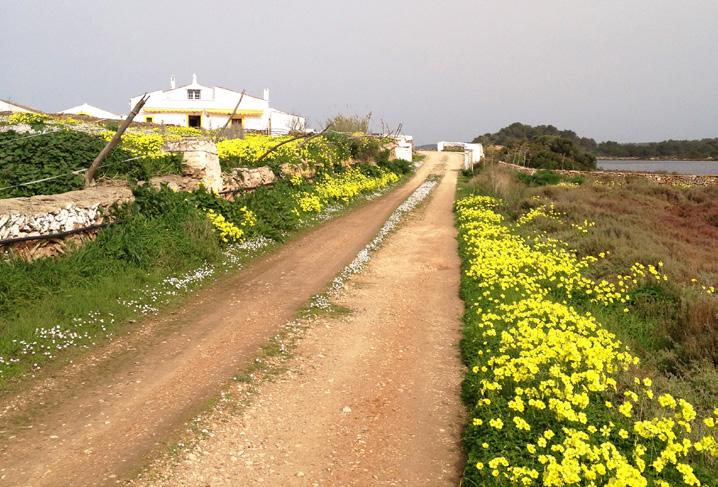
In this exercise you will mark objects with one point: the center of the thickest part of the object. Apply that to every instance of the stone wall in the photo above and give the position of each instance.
(670, 179)
(303, 170)
(246, 178)
(49, 214)
(200, 161)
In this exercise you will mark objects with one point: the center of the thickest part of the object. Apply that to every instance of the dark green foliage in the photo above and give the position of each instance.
(398, 166)
(112, 125)
(274, 209)
(26, 158)
(547, 178)
(177, 238)
(667, 149)
(518, 133)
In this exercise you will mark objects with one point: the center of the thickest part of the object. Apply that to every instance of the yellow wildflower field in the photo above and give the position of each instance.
(555, 398)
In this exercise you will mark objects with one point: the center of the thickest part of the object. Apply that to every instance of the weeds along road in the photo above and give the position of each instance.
(370, 398)
(96, 421)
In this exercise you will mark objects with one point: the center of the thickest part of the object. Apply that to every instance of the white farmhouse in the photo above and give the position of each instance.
(91, 111)
(200, 106)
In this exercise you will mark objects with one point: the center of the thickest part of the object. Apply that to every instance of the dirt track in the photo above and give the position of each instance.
(102, 417)
(372, 398)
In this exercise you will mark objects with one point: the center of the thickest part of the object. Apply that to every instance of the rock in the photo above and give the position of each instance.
(346, 410)
(248, 178)
(303, 170)
(176, 183)
(200, 161)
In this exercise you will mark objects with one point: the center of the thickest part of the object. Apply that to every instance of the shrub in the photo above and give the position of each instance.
(350, 124)
(32, 119)
(546, 178)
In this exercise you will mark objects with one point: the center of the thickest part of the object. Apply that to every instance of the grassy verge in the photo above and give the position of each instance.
(165, 246)
(574, 376)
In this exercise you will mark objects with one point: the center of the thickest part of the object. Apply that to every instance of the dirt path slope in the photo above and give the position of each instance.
(99, 419)
(371, 398)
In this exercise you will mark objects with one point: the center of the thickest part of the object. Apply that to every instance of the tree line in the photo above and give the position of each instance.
(517, 134)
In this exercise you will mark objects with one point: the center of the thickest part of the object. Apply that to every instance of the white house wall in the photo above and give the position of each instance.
(282, 123)
(255, 112)
(9, 107)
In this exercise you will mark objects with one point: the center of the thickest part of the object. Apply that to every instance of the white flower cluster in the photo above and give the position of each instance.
(49, 341)
(181, 283)
(233, 254)
(321, 301)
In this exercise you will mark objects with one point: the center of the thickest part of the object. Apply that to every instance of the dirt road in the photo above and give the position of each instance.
(372, 398)
(97, 420)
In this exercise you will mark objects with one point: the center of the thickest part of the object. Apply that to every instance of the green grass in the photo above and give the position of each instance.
(543, 177)
(53, 305)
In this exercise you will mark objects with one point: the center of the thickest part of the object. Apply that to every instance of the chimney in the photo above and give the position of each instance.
(194, 78)
(266, 94)
(173, 82)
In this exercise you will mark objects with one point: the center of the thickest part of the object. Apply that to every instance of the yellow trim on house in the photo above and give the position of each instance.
(213, 111)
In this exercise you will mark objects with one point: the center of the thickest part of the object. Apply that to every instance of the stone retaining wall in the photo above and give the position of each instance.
(49, 214)
(670, 179)
(46, 215)
(246, 178)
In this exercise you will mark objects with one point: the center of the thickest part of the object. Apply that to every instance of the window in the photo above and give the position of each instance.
(193, 94)
(237, 122)
(148, 119)
(194, 121)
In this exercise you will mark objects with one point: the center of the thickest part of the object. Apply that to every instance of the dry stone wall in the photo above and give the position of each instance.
(245, 178)
(670, 179)
(41, 217)
(200, 161)
(50, 214)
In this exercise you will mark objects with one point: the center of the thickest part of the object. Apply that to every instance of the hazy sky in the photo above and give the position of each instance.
(628, 70)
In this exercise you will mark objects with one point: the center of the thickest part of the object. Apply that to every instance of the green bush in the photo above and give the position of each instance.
(547, 178)
(57, 154)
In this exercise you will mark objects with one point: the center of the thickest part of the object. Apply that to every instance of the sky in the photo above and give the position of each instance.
(625, 70)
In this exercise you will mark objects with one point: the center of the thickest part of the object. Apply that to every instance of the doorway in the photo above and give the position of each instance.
(194, 121)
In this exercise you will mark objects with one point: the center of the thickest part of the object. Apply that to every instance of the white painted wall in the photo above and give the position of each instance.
(215, 105)
(283, 123)
(92, 111)
(473, 153)
(6, 106)
(477, 152)
(404, 149)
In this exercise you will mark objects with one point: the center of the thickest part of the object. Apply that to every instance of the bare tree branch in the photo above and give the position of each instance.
(90, 174)
(303, 136)
(229, 120)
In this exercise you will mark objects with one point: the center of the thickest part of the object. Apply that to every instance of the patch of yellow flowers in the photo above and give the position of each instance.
(252, 147)
(341, 188)
(552, 405)
(229, 232)
(139, 144)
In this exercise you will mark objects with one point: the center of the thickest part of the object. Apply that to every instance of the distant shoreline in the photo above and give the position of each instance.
(652, 159)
